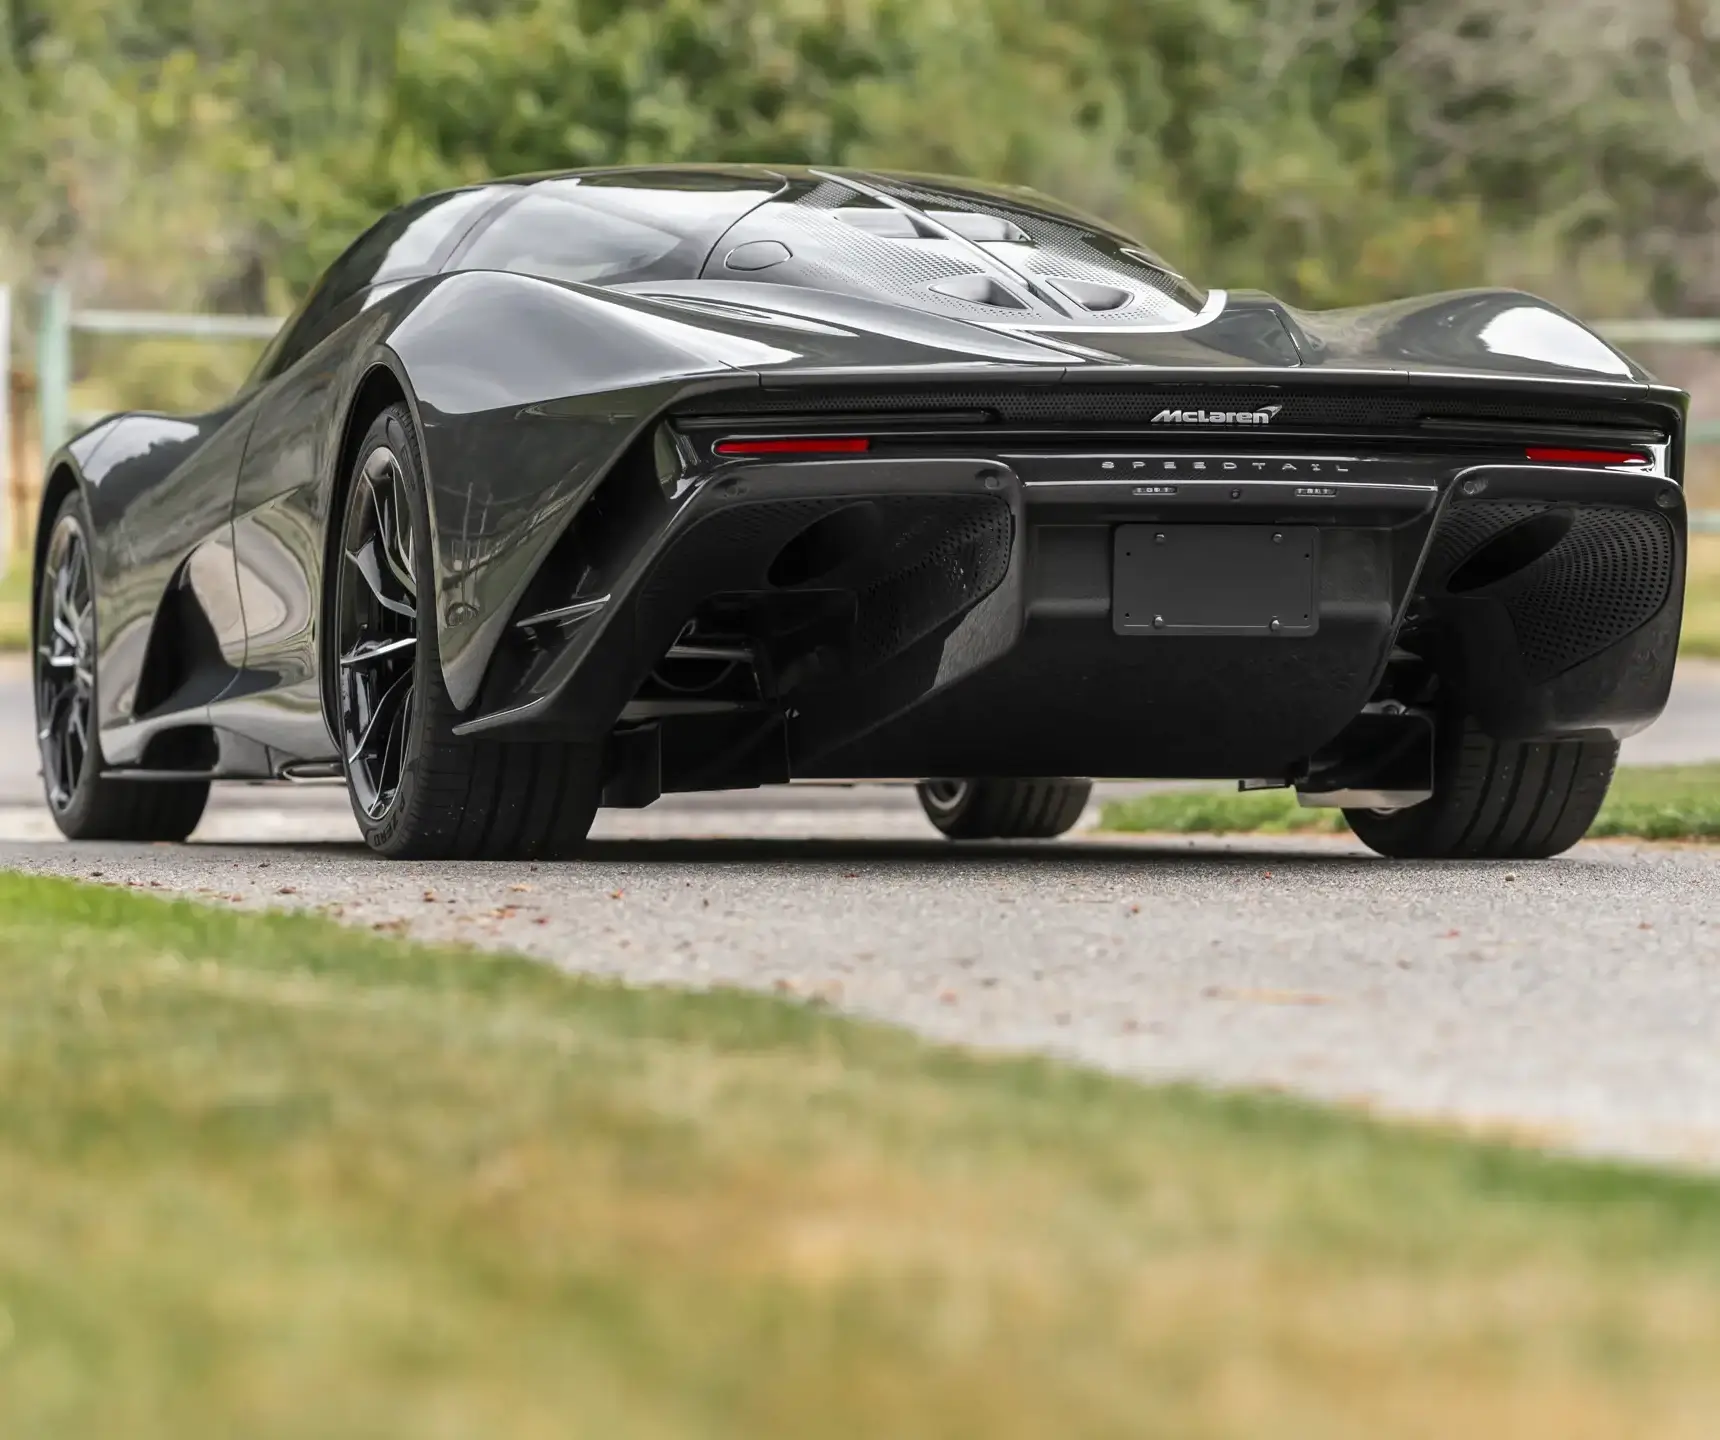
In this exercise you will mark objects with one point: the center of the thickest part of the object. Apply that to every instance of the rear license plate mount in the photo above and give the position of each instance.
(1215, 580)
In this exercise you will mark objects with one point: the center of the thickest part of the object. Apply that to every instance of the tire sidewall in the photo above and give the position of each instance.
(393, 429)
(76, 815)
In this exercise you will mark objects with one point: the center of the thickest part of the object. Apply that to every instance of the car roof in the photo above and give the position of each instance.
(980, 250)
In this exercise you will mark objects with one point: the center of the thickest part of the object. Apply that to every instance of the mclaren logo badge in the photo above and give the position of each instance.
(1218, 417)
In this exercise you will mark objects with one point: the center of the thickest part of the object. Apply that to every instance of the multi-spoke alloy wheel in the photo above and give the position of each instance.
(86, 803)
(377, 631)
(65, 664)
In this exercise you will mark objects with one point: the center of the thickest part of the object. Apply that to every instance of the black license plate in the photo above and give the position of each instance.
(1215, 580)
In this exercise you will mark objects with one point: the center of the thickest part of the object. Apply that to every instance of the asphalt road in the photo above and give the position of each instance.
(1576, 1002)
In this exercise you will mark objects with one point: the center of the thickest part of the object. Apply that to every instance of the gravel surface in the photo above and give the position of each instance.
(1575, 1002)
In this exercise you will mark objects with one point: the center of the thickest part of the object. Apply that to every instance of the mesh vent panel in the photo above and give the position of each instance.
(1609, 576)
(937, 556)
(952, 559)
(1466, 528)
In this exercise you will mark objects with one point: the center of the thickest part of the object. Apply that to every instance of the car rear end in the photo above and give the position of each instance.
(1215, 580)
(1298, 581)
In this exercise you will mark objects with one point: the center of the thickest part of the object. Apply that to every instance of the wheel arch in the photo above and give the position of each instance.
(63, 480)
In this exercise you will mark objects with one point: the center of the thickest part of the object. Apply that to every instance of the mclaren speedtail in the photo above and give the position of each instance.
(574, 490)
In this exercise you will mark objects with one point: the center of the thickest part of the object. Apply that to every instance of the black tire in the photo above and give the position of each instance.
(1496, 800)
(418, 790)
(1004, 809)
(86, 804)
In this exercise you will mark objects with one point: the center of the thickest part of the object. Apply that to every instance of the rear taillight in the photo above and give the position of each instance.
(1555, 455)
(799, 445)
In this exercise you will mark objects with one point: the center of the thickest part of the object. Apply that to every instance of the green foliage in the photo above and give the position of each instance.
(15, 603)
(1336, 152)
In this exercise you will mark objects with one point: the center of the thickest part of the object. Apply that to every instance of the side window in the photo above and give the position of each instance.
(404, 243)
(613, 228)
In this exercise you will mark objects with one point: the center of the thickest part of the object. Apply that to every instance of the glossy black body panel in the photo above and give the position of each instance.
(1001, 350)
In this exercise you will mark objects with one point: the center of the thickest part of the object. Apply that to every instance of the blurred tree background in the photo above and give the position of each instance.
(215, 154)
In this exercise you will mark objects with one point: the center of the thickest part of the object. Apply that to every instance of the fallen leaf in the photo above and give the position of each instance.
(1259, 996)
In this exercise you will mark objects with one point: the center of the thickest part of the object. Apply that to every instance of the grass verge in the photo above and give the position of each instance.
(15, 605)
(1701, 635)
(264, 1176)
(1649, 802)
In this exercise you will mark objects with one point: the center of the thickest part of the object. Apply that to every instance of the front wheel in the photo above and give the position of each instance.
(1496, 800)
(418, 790)
(1004, 809)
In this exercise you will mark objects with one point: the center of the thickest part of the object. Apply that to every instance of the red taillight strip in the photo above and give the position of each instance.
(801, 445)
(1553, 455)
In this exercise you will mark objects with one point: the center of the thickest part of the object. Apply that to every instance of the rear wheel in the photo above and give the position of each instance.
(418, 790)
(1496, 799)
(86, 804)
(1004, 809)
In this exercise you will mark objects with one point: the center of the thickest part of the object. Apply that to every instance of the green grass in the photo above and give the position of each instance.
(15, 605)
(266, 1177)
(1218, 812)
(1701, 635)
(1663, 802)
(1675, 802)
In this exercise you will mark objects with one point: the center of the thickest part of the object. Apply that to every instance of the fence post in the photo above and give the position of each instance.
(25, 461)
(54, 366)
(9, 527)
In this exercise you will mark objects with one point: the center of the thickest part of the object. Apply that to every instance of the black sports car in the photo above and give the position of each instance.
(571, 490)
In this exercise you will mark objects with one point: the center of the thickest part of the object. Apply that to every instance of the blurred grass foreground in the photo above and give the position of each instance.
(264, 1176)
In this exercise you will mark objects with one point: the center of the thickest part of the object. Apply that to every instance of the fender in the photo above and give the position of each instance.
(156, 489)
(525, 393)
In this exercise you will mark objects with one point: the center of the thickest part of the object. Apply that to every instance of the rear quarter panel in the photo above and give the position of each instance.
(159, 492)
